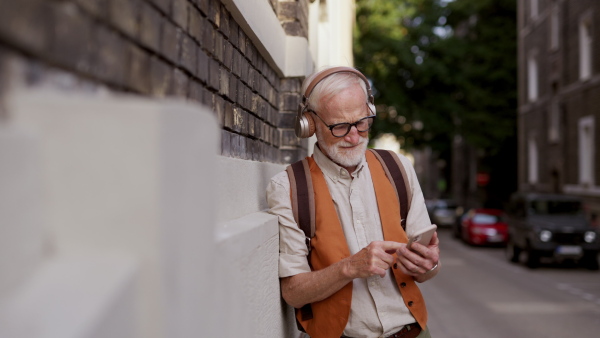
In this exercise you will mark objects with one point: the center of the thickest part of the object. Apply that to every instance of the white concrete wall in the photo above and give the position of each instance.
(119, 220)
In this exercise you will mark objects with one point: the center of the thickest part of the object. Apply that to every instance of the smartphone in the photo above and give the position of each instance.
(422, 236)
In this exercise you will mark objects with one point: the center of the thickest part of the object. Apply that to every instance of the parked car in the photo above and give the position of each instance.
(550, 225)
(443, 212)
(484, 227)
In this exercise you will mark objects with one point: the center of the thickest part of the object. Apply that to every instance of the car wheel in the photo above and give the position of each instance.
(590, 261)
(512, 252)
(533, 259)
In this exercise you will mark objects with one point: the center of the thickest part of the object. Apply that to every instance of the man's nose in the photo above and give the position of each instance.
(353, 136)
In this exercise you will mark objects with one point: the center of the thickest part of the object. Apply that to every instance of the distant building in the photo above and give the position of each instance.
(559, 98)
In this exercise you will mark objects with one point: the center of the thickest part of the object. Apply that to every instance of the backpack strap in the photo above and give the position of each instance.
(396, 173)
(303, 207)
(303, 198)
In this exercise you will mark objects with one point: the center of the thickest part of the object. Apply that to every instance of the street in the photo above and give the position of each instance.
(478, 293)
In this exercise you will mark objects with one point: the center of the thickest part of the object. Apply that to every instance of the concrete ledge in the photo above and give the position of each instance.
(67, 296)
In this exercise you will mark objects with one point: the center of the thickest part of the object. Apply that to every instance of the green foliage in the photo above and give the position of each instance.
(440, 68)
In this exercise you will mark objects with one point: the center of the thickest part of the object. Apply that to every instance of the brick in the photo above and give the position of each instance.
(227, 113)
(290, 84)
(289, 101)
(170, 42)
(236, 60)
(287, 11)
(180, 84)
(287, 120)
(96, 8)
(225, 25)
(218, 51)
(213, 74)
(228, 116)
(161, 76)
(207, 97)
(203, 5)
(150, 24)
(225, 143)
(110, 63)
(233, 87)
(233, 33)
(139, 76)
(202, 71)
(31, 28)
(71, 39)
(252, 122)
(195, 91)
(188, 58)
(124, 15)
(237, 148)
(224, 82)
(208, 37)
(293, 29)
(214, 12)
(242, 41)
(163, 5)
(240, 120)
(196, 24)
(179, 13)
(218, 106)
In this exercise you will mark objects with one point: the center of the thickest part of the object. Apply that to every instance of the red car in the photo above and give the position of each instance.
(484, 226)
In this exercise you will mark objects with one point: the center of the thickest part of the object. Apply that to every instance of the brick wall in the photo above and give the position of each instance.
(190, 49)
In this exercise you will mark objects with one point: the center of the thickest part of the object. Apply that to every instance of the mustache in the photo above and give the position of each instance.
(348, 144)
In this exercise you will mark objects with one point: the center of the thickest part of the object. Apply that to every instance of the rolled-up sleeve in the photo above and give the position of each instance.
(292, 247)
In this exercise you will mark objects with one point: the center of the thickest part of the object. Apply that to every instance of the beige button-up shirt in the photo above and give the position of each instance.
(377, 308)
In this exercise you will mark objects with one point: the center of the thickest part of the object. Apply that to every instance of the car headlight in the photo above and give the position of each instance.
(589, 236)
(545, 235)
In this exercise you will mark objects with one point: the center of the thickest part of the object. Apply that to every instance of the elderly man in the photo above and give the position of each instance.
(356, 277)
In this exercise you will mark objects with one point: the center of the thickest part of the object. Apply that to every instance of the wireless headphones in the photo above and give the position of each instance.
(305, 124)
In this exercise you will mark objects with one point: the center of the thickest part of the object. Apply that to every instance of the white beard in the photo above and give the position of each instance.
(346, 157)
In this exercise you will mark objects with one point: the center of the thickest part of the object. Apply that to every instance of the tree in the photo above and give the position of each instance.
(440, 69)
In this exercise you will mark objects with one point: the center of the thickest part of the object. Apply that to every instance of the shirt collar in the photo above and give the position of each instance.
(332, 169)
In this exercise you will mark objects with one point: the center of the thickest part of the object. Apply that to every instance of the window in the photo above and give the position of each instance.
(554, 28)
(585, 48)
(532, 161)
(532, 78)
(586, 151)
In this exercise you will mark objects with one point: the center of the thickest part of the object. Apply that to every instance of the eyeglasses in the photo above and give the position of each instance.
(342, 129)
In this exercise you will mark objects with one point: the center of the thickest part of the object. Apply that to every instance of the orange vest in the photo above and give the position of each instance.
(329, 246)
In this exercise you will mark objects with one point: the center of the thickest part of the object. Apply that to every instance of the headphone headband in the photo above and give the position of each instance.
(305, 125)
(330, 71)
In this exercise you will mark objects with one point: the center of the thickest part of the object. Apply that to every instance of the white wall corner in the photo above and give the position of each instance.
(289, 55)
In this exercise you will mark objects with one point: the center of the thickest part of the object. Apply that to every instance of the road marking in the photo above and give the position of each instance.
(578, 292)
(529, 308)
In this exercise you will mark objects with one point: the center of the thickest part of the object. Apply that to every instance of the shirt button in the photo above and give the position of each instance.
(410, 303)
(402, 284)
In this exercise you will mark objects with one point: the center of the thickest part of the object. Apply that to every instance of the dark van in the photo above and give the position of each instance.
(550, 225)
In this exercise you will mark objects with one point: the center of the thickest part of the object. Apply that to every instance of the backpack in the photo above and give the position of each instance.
(303, 203)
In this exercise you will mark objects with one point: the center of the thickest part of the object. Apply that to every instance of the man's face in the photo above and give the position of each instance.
(347, 106)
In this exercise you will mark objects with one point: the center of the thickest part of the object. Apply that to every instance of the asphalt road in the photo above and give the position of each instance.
(479, 294)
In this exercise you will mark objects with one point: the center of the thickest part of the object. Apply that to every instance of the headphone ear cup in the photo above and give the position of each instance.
(305, 125)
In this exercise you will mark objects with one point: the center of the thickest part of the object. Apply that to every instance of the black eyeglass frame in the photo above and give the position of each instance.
(350, 125)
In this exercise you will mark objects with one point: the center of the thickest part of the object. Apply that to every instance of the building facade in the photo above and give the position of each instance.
(559, 94)
(137, 138)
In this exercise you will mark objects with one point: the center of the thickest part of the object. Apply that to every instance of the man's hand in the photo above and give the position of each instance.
(420, 259)
(374, 259)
